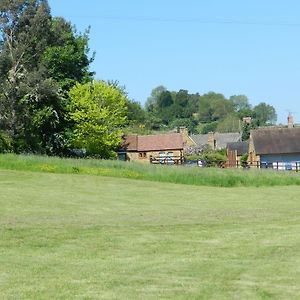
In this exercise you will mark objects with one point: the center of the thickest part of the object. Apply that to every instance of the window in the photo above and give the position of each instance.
(142, 154)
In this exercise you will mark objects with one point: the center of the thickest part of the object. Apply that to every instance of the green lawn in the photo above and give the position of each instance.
(73, 236)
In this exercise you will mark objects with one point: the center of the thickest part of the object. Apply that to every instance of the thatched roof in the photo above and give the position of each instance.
(276, 140)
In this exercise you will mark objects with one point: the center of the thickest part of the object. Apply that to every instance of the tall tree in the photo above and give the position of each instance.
(67, 56)
(25, 29)
(40, 59)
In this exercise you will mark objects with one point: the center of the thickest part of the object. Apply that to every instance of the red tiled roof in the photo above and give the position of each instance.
(159, 142)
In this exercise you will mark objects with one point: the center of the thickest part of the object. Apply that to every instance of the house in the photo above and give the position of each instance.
(235, 151)
(216, 140)
(275, 147)
(161, 148)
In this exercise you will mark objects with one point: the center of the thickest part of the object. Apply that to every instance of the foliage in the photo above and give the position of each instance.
(98, 113)
(244, 160)
(66, 58)
(214, 158)
(40, 59)
(151, 103)
(230, 123)
(240, 102)
(213, 107)
(265, 114)
(205, 128)
(5, 143)
(203, 113)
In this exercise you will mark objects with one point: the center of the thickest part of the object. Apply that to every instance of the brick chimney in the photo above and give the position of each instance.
(290, 120)
(184, 131)
(211, 140)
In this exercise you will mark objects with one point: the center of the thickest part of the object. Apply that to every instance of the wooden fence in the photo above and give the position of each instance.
(277, 165)
(167, 160)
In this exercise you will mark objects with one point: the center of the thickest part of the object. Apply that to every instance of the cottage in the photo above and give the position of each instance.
(275, 147)
(160, 148)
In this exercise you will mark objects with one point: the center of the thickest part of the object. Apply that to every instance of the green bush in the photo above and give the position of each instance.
(5, 143)
(214, 158)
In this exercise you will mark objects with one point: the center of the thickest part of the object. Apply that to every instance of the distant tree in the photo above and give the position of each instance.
(240, 102)
(265, 114)
(98, 113)
(165, 108)
(151, 103)
(135, 112)
(231, 123)
(181, 99)
(188, 123)
(213, 106)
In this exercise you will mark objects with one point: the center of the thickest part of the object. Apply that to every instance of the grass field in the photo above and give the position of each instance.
(74, 236)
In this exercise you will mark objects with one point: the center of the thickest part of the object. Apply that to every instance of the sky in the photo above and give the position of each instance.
(231, 47)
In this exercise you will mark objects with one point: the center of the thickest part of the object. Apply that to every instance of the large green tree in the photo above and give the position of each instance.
(40, 59)
(25, 28)
(98, 113)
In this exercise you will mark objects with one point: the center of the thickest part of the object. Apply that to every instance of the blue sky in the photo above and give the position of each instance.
(231, 47)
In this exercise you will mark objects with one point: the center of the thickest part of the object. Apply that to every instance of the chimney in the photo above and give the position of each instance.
(184, 131)
(290, 120)
(211, 140)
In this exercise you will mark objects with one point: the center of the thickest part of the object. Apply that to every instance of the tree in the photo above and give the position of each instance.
(40, 59)
(265, 114)
(231, 123)
(25, 28)
(165, 107)
(151, 103)
(98, 112)
(213, 106)
(240, 102)
(66, 58)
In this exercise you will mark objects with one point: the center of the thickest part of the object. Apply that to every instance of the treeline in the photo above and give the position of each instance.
(166, 109)
(50, 102)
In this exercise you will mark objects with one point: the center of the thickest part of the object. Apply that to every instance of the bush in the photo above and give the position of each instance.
(5, 143)
(214, 158)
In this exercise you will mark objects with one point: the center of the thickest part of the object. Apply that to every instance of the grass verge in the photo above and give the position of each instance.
(171, 174)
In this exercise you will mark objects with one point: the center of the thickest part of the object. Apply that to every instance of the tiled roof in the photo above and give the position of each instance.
(200, 139)
(159, 142)
(221, 139)
(276, 140)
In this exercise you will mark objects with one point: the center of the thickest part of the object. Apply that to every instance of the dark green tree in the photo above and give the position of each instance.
(40, 59)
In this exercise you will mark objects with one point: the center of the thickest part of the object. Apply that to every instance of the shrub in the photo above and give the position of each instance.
(5, 143)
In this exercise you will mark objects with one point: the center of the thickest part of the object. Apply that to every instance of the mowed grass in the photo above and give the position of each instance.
(67, 236)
